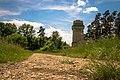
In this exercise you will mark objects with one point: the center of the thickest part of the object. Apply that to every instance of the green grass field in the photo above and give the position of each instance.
(10, 52)
(102, 49)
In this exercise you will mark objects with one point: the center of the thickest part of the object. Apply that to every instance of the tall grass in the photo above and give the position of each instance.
(10, 52)
(102, 71)
(102, 49)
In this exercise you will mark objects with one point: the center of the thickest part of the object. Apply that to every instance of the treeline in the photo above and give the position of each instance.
(26, 37)
(105, 25)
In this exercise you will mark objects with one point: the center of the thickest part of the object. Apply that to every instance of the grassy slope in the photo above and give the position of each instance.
(103, 49)
(9, 52)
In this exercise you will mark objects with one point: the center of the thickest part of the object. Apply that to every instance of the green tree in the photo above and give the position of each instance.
(57, 40)
(42, 37)
(17, 39)
(105, 25)
(7, 29)
(54, 42)
(117, 24)
(28, 31)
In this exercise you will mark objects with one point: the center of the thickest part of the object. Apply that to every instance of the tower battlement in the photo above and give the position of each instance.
(77, 23)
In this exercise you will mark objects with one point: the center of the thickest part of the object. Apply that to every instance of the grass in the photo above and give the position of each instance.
(10, 52)
(102, 71)
(102, 49)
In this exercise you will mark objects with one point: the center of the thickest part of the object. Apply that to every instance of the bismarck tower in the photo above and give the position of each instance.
(78, 35)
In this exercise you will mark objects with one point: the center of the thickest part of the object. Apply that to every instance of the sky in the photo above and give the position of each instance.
(54, 15)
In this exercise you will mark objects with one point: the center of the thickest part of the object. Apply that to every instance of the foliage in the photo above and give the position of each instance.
(26, 30)
(104, 25)
(7, 29)
(57, 40)
(42, 37)
(26, 38)
(54, 43)
(17, 39)
(10, 52)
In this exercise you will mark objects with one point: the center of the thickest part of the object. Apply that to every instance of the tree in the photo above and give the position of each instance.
(105, 25)
(24, 36)
(117, 24)
(42, 37)
(41, 32)
(97, 26)
(17, 39)
(57, 40)
(7, 29)
(26, 30)
(54, 42)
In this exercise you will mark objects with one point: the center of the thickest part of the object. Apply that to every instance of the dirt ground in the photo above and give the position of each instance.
(44, 67)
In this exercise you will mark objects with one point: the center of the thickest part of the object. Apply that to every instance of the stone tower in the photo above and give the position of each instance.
(78, 35)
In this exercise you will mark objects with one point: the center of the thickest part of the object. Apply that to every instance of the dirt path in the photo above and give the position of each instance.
(43, 67)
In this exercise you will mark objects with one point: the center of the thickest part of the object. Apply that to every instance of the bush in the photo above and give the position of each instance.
(17, 39)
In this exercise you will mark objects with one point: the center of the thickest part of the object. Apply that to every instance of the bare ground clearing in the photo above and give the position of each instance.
(44, 67)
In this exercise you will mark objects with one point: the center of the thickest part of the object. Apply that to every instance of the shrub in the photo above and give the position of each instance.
(17, 39)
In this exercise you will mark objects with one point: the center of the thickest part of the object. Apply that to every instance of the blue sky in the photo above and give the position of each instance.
(57, 14)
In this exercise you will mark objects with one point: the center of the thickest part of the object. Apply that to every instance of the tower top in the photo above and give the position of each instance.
(78, 23)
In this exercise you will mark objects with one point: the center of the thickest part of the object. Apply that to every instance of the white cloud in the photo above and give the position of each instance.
(88, 24)
(56, 8)
(7, 12)
(90, 9)
(81, 3)
(66, 36)
(79, 9)
(72, 9)
(66, 20)
(103, 1)
(64, 8)
(20, 22)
